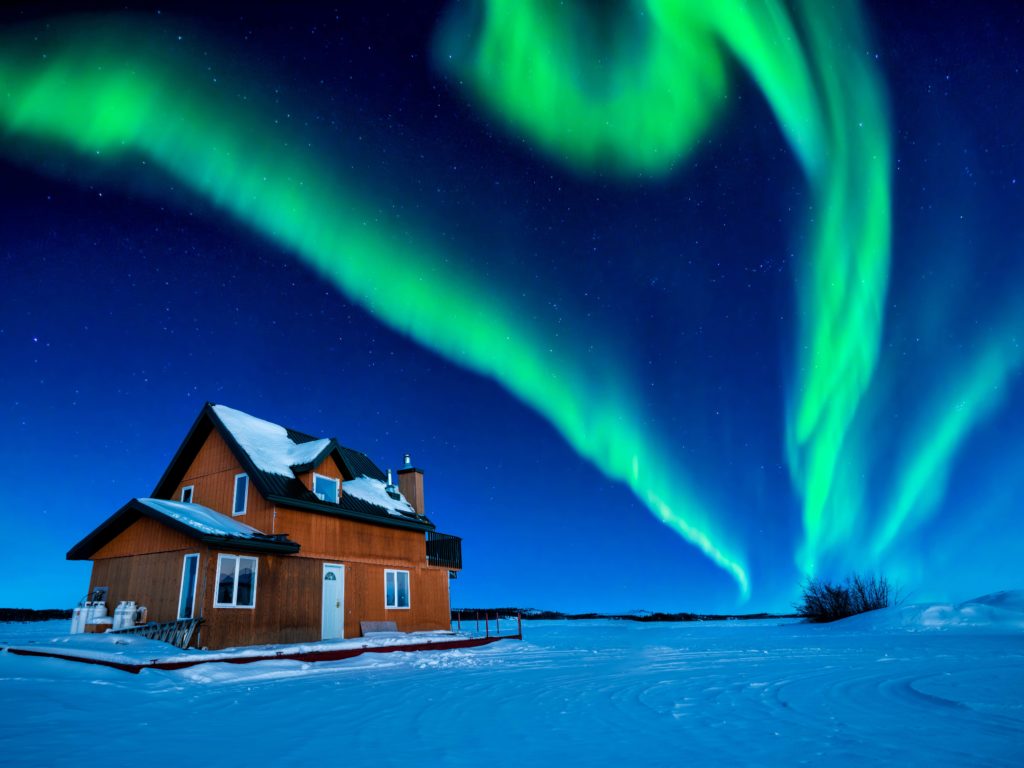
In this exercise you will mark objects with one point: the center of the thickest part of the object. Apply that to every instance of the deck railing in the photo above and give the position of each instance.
(444, 550)
(487, 623)
(177, 633)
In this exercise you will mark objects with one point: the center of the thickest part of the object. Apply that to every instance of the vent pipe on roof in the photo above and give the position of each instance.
(391, 488)
(406, 461)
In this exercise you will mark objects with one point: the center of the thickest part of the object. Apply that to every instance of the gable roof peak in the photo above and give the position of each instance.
(269, 446)
(274, 456)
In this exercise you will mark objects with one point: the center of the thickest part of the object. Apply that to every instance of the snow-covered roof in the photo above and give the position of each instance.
(276, 458)
(203, 519)
(375, 492)
(193, 520)
(272, 449)
(267, 444)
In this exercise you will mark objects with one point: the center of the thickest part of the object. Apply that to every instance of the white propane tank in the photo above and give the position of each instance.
(97, 610)
(124, 614)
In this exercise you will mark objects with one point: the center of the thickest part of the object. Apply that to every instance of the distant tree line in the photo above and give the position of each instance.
(534, 614)
(30, 614)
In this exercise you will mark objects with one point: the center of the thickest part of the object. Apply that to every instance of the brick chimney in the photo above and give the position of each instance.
(410, 484)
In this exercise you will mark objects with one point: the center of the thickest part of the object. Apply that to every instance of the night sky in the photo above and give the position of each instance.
(602, 358)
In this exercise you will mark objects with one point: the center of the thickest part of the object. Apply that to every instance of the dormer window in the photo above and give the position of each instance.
(186, 493)
(325, 488)
(241, 494)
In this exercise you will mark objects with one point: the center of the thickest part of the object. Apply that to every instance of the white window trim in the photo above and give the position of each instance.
(191, 495)
(337, 486)
(195, 586)
(396, 607)
(234, 496)
(234, 594)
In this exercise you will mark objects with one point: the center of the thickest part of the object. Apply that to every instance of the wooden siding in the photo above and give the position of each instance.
(152, 580)
(333, 538)
(212, 476)
(289, 594)
(364, 599)
(144, 536)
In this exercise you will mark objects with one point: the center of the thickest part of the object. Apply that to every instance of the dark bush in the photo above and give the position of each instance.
(824, 601)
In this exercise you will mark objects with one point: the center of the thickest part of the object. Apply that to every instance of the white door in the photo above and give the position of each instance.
(333, 622)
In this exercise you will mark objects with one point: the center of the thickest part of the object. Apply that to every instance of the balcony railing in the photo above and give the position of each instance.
(444, 550)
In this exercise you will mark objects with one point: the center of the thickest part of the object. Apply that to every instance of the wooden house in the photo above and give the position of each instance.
(275, 536)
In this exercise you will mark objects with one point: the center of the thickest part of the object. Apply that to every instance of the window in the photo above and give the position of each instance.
(187, 601)
(396, 589)
(326, 488)
(236, 582)
(241, 494)
(186, 494)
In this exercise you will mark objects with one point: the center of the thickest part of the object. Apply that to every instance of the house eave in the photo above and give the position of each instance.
(251, 545)
(134, 510)
(328, 509)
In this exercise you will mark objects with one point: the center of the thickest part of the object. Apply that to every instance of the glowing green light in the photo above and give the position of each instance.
(631, 87)
(111, 89)
(969, 396)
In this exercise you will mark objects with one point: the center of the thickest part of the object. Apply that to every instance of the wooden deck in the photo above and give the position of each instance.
(334, 654)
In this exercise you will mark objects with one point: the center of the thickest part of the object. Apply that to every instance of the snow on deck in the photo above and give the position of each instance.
(202, 519)
(730, 693)
(268, 444)
(375, 492)
(130, 649)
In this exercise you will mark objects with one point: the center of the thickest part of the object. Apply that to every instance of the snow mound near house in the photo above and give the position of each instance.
(268, 444)
(998, 612)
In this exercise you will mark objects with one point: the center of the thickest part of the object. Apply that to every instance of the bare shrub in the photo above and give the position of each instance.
(824, 601)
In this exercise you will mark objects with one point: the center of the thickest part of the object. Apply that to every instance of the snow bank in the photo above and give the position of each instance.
(995, 613)
(268, 444)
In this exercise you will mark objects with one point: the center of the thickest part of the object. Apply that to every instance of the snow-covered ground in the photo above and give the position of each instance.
(919, 685)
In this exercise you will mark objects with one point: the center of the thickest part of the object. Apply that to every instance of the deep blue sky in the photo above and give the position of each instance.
(125, 306)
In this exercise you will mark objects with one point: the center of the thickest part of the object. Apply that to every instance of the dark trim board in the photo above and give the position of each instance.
(327, 655)
(336, 510)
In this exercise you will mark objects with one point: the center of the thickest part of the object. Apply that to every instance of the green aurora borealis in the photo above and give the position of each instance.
(636, 105)
(627, 92)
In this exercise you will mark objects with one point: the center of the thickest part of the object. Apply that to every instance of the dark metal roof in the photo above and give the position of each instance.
(289, 491)
(136, 509)
(360, 464)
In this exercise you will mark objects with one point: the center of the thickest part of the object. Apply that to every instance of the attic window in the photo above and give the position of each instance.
(325, 488)
(241, 494)
(186, 495)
